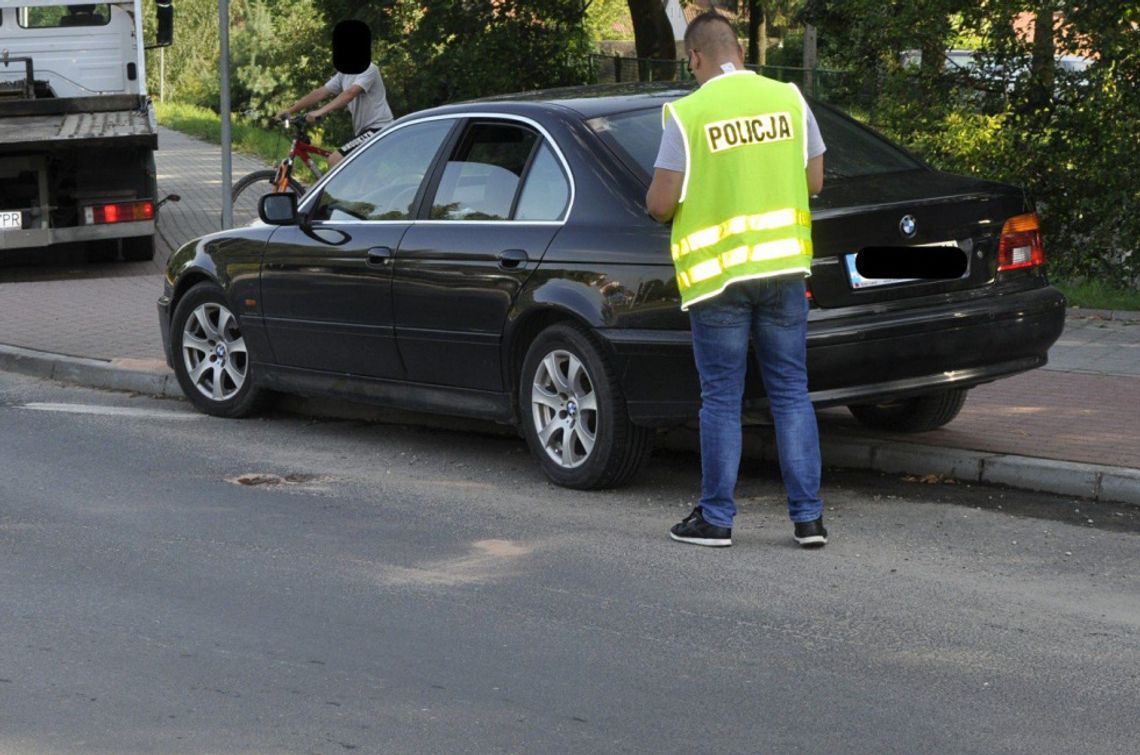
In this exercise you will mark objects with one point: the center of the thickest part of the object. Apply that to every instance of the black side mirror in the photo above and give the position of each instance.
(278, 209)
(164, 15)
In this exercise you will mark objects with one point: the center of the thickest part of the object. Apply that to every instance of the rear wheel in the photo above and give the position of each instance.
(574, 415)
(912, 415)
(249, 190)
(210, 357)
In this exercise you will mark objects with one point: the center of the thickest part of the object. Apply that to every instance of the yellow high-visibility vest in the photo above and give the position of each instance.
(744, 211)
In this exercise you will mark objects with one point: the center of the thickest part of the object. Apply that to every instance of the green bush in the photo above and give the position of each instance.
(1077, 160)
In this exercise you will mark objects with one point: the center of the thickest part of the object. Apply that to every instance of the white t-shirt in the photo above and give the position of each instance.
(370, 108)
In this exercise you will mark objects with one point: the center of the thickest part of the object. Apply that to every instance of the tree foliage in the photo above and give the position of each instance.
(1068, 137)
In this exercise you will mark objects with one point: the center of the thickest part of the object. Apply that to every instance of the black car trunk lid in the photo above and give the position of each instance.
(918, 213)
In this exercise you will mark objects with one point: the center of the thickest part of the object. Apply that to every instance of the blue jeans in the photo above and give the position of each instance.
(773, 313)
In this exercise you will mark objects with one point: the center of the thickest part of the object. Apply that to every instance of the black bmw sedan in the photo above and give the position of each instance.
(494, 259)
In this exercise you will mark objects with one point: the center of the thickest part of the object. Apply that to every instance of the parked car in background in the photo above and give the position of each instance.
(494, 259)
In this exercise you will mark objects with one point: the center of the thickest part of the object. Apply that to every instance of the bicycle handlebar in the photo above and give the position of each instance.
(298, 124)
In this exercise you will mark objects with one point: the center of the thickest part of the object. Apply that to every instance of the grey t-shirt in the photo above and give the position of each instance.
(671, 154)
(370, 108)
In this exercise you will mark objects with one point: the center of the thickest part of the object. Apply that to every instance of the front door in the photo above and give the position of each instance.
(326, 286)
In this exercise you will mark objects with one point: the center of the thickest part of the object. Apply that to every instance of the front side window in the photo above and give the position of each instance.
(56, 16)
(382, 183)
(482, 178)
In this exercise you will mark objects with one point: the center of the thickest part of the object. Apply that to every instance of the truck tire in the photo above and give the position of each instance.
(138, 249)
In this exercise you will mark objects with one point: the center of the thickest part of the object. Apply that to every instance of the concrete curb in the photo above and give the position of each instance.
(1092, 481)
(149, 376)
(1125, 315)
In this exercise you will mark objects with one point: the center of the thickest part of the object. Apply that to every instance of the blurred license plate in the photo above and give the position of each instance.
(11, 220)
(858, 281)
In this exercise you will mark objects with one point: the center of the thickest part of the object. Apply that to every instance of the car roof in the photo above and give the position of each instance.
(586, 102)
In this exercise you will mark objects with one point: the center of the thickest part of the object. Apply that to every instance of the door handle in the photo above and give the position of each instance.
(513, 259)
(378, 256)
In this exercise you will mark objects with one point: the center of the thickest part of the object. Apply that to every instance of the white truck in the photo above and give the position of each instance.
(77, 132)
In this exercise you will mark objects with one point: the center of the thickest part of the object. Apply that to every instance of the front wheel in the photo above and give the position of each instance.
(249, 190)
(211, 361)
(912, 415)
(574, 415)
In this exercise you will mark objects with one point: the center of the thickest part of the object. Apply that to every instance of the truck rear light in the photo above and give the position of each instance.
(1021, 244)
(119, 212)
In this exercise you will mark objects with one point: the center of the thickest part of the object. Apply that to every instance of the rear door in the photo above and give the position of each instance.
(326, 287)
(494, 207)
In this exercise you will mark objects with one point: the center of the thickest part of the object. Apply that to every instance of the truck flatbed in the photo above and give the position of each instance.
(86, 122)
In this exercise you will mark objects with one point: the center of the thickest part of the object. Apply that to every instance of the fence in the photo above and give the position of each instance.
(840, 88)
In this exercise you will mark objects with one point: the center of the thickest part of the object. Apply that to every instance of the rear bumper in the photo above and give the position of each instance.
(859, 358)
(44, 237)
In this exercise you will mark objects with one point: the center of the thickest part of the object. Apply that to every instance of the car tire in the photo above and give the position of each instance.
(138, 249)
(217, 381)
(573, 413)
(912, 415)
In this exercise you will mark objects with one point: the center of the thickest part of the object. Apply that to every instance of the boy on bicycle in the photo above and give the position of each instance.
(356, 84)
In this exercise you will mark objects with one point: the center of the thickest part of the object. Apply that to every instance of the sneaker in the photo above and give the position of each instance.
(811, 534)
(694, 529)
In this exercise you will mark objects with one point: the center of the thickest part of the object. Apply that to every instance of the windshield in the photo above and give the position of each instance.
(852, 149)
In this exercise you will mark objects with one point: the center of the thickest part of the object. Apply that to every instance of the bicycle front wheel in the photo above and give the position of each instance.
(248, 191)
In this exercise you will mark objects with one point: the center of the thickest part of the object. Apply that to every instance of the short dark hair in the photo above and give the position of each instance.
(710, 32)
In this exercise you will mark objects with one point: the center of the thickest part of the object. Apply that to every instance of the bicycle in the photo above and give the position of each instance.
(248, 191)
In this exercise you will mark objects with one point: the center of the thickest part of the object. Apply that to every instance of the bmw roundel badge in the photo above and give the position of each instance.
(908, 225)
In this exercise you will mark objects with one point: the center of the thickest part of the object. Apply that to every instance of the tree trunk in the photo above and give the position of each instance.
(1041, 72)
(756, 17)
(653, 37)
(811, 59)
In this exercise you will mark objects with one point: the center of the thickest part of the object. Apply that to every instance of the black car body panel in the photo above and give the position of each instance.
(441, 319)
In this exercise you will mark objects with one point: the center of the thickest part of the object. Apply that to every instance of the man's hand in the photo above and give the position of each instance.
(664, 194)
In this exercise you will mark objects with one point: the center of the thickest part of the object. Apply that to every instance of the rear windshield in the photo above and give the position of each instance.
(852, 149)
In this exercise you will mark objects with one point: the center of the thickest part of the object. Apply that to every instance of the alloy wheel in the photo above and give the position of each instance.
(214, 352)
(564, 409)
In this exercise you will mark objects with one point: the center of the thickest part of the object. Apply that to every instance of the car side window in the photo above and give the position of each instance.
(382, 183)
(482, 178)
(546, 192)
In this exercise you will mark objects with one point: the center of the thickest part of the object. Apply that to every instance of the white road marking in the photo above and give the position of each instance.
(109, 411)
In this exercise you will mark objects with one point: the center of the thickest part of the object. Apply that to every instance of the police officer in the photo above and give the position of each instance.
(737, 161)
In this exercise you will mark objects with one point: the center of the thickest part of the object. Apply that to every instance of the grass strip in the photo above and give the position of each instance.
(270, 143)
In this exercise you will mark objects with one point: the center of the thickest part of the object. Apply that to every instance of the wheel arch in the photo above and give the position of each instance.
(187, 281)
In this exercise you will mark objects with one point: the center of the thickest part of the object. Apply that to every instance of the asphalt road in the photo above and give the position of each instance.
(397, 589)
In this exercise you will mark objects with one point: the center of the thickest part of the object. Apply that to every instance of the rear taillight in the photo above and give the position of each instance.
(1021, 244)
(119, 212)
